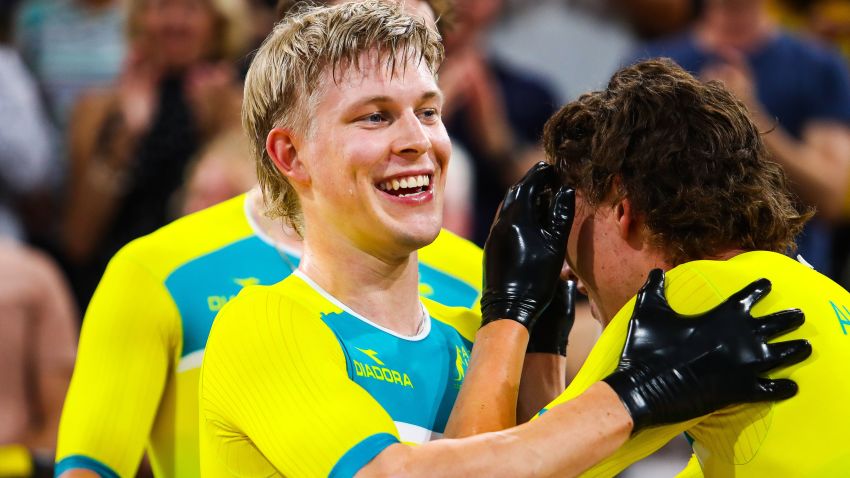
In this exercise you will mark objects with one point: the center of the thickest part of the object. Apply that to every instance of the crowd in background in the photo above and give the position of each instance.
(118, 116)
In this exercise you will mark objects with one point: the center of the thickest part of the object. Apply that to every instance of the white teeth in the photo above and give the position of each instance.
(417, 181)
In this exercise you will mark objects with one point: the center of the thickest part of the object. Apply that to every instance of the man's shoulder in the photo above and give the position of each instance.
(189, 238)
(290, 299)
(465, 321)
(696, 286)
(455, 256)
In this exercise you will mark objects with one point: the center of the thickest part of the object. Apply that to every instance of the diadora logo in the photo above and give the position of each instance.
(216, 302)
(461, 362)
(246, 281)
(379, 371)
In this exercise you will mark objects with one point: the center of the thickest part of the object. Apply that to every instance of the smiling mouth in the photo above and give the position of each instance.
(406, 185)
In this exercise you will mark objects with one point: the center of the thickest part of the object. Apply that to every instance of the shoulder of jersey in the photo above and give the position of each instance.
(449, 248)
(465, 321)
(191, 236)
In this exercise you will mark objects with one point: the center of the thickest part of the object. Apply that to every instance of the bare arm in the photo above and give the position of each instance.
(565, 441)
(543, 379)
(79, 473)
(99, 150)
(488, 400)
(818, 164)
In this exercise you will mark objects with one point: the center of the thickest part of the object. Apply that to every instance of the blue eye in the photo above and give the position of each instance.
(375, 118)
(430, 114)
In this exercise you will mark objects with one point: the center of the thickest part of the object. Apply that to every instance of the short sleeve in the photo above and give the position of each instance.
(126, 347)
(276, 395)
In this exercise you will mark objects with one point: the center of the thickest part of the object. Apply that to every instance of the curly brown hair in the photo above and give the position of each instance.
(687, 156)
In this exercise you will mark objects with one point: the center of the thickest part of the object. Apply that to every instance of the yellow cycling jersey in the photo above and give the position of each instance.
(296, 384)
(799, 437)
(135, 382)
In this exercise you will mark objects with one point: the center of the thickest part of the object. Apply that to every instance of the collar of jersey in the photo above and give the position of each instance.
(424, 328)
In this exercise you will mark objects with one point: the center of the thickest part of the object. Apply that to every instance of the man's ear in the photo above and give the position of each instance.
(626, 221)
(630, 225)
(282, 148)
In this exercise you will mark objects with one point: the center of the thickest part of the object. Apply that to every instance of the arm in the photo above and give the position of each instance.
(545, 368)
(56, 322)
(671, 370)
(126, 350)
(105, 130)
(523, 257)
(99, 149)
(818, 163)
(564, 442)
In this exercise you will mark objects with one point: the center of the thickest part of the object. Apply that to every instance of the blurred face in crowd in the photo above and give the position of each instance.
(377, 175)
(178, 32)
(735, 23)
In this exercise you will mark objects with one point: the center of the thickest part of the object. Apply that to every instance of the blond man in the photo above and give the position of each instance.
(336, 369)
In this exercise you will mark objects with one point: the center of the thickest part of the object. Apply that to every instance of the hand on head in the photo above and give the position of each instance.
(526, 248)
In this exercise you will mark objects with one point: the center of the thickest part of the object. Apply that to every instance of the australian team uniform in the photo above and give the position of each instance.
(296, 384)
(135, 383)
(799, 437)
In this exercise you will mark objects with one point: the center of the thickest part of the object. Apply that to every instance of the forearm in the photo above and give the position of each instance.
(565, 441)
(98, 181)
(818, 177)
(488, 399)
(79, 473)
(543, 379)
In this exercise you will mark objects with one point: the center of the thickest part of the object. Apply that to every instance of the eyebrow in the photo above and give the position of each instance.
(429, 95)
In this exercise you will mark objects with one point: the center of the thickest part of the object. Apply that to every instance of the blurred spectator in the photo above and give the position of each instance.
(71, 46)
(26, 155)
(222, 170)
(129, 144)
(797, 91)
(826, 20)
(37, 344)
(494, 111)
(658, 18)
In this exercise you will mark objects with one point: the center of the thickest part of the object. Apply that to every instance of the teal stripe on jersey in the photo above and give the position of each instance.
(416, 381)
(85, 463)
(202, 286)
(361, 454)
(445, 289)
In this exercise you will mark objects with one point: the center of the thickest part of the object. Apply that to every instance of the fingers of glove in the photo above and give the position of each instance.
(563, 211)
(769, 390)
(779, 323)
(749, 295)
(539, 176)
(784, 354)
(651, 294)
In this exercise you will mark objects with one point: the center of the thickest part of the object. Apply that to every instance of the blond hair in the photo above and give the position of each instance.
(285, 78)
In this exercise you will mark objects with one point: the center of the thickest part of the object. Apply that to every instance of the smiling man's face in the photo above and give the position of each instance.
(376, 155)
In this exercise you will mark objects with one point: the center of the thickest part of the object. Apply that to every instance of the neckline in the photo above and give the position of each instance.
(424, 327)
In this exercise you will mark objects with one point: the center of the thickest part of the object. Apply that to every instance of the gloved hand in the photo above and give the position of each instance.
(525, 250)
(676, 368)
(552, 329)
